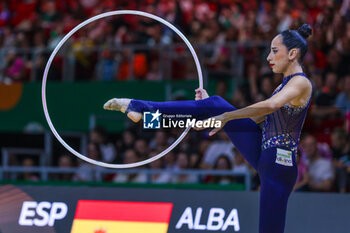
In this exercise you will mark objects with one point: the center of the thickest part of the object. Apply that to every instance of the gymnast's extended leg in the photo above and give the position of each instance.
(244, 133)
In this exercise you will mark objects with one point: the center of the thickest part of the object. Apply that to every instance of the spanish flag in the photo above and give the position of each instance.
(121, 217)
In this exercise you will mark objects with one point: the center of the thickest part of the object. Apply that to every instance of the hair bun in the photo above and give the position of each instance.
(305, 30)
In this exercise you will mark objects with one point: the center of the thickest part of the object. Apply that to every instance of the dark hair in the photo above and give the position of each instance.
(297, 39)
(101, 131)
(226, 158)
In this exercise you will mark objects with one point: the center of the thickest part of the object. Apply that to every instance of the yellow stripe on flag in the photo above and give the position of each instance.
(98, 226)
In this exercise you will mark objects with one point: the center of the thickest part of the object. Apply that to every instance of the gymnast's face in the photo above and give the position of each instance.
(278, 56)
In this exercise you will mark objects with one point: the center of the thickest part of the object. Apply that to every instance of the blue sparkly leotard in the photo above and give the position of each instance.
(262, 148)
(283, 127)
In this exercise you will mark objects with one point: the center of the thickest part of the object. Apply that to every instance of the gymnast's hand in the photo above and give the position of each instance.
(223, 119)
(201, 94)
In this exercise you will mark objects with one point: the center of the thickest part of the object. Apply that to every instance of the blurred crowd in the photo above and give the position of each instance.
(321, 167)
(133, 145)
(30, 29)
(324, 152)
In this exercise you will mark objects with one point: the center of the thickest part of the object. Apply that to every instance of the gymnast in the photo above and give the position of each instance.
(266, 133)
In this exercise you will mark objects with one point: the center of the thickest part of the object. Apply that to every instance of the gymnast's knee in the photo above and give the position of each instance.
(216, 98)
(219, 101)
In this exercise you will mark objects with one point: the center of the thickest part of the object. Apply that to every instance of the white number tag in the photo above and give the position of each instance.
(284, 157)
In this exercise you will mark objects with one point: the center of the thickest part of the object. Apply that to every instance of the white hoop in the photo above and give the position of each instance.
(43, 88)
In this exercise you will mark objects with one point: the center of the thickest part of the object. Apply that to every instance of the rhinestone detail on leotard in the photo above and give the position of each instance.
(284, 140)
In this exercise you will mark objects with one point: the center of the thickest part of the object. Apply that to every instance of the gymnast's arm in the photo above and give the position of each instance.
(258, 119)
(202, 94)
(295, 92)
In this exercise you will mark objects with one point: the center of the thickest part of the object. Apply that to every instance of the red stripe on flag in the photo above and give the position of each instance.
(124, 211)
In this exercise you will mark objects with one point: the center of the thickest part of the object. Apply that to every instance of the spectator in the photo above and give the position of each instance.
(65, 161)
(240, 165)
(335, 62)
(141, 148)
(325, 101)
(203, 147)
(39, 41)
(239, 162)
(343, 99)
(303, 175)
(140, 65)
(159, 141)
(222, 163)
(183, 163)
(28, 176)
(87, 171)
(220, 146)
(130, 157)
(317, 83)
(347, 122)
(170, 160)
(107, 67)
(84, 55)
(266, 86)
(14, 68)
(158, 178)
(239, 100)
(320, 170)
(322, 147)
(195, 160)
(253, 75)
(154, 73)
(49, 14)
(5, 14)
(341, 158)
(126, 142)
(99, 136)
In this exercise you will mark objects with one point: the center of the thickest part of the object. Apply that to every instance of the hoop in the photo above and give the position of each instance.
(59, 45)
